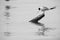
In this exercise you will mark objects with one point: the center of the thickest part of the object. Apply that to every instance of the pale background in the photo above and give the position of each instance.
(26, 10)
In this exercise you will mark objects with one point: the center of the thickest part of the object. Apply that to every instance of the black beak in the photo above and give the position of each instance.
(52, 8)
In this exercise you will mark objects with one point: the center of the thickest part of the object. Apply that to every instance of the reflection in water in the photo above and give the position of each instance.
(41, 31)
(7, 33)
(7, 14)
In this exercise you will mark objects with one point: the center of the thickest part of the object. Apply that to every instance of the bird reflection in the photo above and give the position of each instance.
(7, 33)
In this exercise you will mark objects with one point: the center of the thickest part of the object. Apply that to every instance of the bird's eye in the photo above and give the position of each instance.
(38, 8)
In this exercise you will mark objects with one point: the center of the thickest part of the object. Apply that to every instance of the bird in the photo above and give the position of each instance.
(43, 9)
